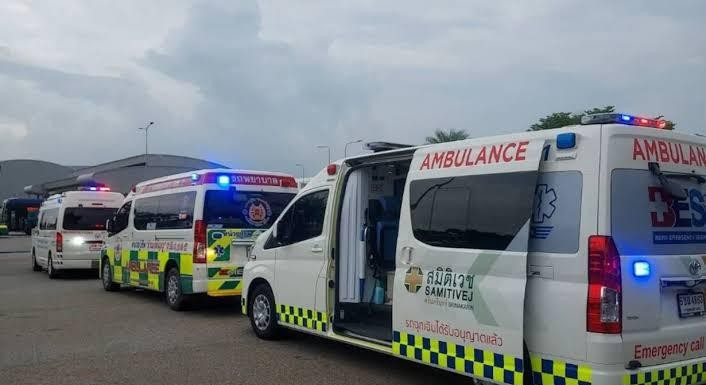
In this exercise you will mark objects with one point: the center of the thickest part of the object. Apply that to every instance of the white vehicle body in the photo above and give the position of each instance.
(200, 223)
(551, 257)
(71, 229)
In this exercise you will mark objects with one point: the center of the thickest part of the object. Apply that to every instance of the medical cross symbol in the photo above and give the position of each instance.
(220, 250)
(413, 279)
(660, 207)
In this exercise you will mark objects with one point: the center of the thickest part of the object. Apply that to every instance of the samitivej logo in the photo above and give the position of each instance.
(413, 279)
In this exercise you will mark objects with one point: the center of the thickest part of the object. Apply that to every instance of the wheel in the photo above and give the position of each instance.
(263, 317)
(51, 271)
(173, 294)
(35, 266)
(107, 277)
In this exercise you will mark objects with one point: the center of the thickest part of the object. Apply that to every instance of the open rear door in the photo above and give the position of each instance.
(460, 274)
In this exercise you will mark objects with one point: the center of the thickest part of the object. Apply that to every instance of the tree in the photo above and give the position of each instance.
(561, 119)
(442, 136)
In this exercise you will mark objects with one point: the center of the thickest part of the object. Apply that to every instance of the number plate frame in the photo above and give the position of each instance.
(692, 309)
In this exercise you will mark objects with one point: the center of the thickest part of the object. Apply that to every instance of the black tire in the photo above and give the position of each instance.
(173, 294)
(262, 313)
(51, 271)
(106, 275)
(35, 266)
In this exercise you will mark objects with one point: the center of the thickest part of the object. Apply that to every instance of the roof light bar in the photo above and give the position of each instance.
(623, 119)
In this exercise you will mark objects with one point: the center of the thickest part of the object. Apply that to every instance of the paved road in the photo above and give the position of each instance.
(69, 331)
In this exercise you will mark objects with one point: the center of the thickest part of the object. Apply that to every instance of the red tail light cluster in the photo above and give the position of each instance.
(199, 242)
(59, 243)
(604, 313)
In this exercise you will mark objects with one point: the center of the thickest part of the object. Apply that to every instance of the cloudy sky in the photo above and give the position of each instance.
(257, 84)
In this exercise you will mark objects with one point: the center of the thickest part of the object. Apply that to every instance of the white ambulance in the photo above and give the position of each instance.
(566, 256)
(190, 233)
(70, 229)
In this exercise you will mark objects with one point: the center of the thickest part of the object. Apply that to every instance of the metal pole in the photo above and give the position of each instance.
(345, 148)
(329, 151)
(302, 166)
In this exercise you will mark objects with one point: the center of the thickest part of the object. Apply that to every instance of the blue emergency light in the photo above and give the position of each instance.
(566, 141)
(223, 180)
(641, 269)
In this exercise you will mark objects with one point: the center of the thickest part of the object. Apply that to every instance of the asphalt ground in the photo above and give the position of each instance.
(70, 331)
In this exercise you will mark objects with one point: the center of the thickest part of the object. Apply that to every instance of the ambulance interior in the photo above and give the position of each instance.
(370, 216)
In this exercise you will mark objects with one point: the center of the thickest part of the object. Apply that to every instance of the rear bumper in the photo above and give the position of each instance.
(548, 371)
(63, 263)
(688, 372)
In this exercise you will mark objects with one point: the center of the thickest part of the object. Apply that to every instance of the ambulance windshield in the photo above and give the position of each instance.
(243, 209)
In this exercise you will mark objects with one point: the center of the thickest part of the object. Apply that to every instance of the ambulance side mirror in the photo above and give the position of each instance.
(109, 226)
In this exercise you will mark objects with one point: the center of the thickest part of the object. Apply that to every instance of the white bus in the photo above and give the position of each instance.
(566, 256)
(191, 233)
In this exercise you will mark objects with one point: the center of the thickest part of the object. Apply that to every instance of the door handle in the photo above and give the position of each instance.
(317, 249)
(406, 257)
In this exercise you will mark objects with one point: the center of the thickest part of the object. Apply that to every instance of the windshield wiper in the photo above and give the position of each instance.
(674, 189)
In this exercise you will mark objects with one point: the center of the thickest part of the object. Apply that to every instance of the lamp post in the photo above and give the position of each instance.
(345, 148)
(329, 151)
(302, 166)
(146, 128)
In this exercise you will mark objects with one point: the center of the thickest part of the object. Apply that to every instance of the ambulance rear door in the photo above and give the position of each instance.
(460, 275)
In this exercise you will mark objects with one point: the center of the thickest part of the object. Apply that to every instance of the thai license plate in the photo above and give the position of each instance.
(95, 247)
(691, 305)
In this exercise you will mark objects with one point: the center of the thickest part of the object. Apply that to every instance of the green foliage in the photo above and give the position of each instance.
(561, 119)
(443, 136)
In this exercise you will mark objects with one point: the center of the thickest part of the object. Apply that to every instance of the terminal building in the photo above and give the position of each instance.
(23, 178)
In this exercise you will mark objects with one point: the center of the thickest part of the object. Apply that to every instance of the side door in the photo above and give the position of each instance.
(141, 238)
(302, 251)
(118, 241)
(38, 241)
(460, 274)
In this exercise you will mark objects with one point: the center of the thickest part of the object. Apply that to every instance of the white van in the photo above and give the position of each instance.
(71, 229)
(191, 233)
(567, 256)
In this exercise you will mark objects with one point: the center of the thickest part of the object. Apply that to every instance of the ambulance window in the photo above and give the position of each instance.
(556, 216)
(146, 213)
(304, 219)
(121, 218)
(176, 211)
(472, 212)
(49, 219)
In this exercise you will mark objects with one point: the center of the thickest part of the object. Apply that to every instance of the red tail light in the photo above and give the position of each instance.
(604, 313)
(59, 243)
(199, 242)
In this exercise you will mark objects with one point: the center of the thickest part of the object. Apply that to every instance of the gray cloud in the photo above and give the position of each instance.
(258, 85)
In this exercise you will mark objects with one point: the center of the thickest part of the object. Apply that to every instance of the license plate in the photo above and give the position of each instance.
(691, 305)
(95, 247)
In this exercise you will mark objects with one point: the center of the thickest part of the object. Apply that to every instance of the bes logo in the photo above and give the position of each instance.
(666, 211)
(257, 212)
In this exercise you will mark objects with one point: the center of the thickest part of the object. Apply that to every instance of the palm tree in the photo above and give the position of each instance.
(442, 136)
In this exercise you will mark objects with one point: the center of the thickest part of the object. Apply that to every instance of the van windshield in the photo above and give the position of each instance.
(86, 218)
(243, 209)
(647, 220)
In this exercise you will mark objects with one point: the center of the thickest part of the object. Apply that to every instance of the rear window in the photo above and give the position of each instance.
(86, 218)
(473, 212)
(243, 210)
(646, 220)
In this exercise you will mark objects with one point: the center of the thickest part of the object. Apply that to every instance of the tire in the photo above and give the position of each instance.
(51, 271)
(35, 266)
(173, 293)
(262, 313)
(106, 275)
